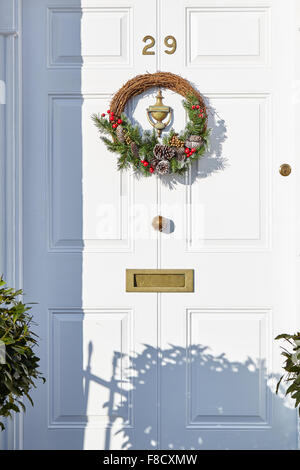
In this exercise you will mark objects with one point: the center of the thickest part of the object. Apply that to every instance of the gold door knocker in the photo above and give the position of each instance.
(159, 112)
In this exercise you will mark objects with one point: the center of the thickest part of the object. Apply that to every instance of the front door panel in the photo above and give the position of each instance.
(146, 370)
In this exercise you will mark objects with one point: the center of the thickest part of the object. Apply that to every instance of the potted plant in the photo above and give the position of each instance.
(291, 366)
(18, 362)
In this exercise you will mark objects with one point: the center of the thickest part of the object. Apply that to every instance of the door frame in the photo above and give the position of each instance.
(11, 201)
(11, 255)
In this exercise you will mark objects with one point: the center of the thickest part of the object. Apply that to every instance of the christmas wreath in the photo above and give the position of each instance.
(142, 150)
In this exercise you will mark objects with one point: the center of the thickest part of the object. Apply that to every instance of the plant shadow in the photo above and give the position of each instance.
(189, 398)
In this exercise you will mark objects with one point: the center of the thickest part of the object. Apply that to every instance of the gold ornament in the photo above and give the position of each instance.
(176, 142)
(128, 139)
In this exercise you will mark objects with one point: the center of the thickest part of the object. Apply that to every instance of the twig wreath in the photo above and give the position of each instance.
(142, 150)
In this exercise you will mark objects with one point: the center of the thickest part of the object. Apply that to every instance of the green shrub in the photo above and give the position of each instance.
(292, 367)
(20, 367)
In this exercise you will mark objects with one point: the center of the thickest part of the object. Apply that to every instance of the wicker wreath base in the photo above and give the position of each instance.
(141, 83)
(144, 152)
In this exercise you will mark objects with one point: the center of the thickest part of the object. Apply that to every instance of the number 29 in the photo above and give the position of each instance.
(169, 42)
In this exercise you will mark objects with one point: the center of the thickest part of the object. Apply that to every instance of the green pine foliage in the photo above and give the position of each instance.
(147, 140)
(18, 364)
(291, 367)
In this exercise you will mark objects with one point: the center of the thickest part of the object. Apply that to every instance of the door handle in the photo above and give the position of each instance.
(159, 223)
(285, 169)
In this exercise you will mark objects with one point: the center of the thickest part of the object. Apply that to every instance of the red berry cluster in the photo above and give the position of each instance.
(201, 111)
(115, 121)
(146, 164)
(189, 152)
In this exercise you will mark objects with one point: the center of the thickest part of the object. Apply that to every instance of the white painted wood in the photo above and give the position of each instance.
(230, 35)
(67, 47)
(167, 371)
(81, 233)
(240, 217)
(9, 16)
(243, 403)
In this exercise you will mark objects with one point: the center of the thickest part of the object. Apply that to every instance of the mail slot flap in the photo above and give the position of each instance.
(159, 280)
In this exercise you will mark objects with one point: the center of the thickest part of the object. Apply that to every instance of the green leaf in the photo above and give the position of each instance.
(278, 384)
(20, 371)
(283, 336)
(292, 369)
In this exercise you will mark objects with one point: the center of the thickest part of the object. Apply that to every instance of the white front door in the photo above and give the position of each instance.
(146, 370)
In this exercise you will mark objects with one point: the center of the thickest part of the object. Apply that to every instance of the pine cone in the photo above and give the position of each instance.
(120, 134)
(154, 162)
(194, 141)
(195, 138)
(180, 154)
(163, 152)
(169, 153)
(158, 151)
(163, 167)
(135, 150)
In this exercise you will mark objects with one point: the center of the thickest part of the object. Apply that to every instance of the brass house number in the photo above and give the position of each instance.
(169, 42)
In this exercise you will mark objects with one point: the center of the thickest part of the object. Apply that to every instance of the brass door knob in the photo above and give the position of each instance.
(159, 223)
(285, 169)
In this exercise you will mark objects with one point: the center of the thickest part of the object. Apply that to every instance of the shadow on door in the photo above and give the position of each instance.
(226, 393)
